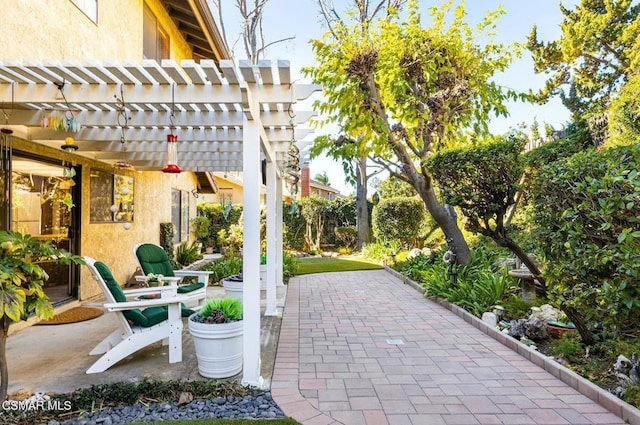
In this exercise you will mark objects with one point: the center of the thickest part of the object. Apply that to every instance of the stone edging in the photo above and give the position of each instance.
(604, 398)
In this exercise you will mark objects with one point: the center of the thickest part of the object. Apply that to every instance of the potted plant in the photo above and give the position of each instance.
(22, 280)
(217, 336)
(201, 227)
(152, 280)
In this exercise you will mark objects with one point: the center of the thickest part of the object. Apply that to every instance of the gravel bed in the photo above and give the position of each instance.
(259, 406)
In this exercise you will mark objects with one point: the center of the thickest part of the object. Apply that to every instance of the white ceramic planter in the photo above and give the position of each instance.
(218, 348)
(234, 289)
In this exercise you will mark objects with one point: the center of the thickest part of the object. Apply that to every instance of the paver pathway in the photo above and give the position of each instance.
(361, 348)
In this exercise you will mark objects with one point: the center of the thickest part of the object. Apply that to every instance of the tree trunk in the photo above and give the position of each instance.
(447, 222)
(362, 210)
(4, 369)
(581, 325)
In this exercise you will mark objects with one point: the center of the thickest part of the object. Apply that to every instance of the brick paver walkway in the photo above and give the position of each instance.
(361, 348)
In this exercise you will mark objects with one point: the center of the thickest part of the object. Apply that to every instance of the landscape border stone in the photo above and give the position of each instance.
(599, 395)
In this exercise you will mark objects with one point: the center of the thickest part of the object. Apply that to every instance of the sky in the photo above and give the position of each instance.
(302, 19)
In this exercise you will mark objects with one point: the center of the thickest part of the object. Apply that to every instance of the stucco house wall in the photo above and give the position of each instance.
(58, 30)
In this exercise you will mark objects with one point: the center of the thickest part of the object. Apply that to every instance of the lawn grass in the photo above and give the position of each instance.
(330, 264)
(285, 421)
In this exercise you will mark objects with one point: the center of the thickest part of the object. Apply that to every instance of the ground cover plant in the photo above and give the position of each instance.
(102, 396)
(327, 264)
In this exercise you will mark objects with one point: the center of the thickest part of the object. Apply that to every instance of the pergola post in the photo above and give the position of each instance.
(251, 252)
(279, 231)
(272, 248)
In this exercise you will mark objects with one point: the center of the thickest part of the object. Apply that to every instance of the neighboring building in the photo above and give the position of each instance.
(313, 188)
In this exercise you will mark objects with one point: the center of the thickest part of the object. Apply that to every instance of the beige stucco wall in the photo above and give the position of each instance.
(58, 30)
(111, 243)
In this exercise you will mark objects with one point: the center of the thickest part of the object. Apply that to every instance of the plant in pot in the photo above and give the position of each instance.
(216, 331)
(22, 280)
(201, 227)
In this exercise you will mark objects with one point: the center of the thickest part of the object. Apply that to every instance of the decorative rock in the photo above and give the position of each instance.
(490, 319)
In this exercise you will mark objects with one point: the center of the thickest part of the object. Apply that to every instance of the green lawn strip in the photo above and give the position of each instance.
(285, 421)
(328, 264)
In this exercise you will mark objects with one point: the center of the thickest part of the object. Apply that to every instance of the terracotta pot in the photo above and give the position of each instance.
(557, 331)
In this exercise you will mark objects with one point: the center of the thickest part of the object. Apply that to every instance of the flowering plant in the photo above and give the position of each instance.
(153, 279)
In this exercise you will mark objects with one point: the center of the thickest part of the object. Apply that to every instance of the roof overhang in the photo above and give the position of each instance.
(124, 111)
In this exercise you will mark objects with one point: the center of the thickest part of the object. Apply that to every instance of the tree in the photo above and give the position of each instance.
(322, 178)
(597, 52)
(403, 92)
(345, 149)
(483, 181)
(392, 187)
(252, 36)
(22, 281)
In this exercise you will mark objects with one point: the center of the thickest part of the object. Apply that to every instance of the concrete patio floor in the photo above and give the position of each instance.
(353, 348)
(54, 358)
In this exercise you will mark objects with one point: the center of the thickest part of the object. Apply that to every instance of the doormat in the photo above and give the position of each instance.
(76, 314)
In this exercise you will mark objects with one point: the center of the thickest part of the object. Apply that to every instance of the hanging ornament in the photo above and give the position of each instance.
(69, 144)
(172, 155)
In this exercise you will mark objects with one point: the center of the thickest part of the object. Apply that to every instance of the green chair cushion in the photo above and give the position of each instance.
(153, 259)
(145, 318)
(185, 289)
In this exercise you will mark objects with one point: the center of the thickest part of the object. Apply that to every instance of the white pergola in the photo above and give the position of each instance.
(228, 118)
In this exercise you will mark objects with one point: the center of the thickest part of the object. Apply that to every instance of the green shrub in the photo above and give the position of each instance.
(289, 265)
(231, 307)
(569, 346)
(221, 217)
(187, 253)
(587, 218)
(226, 266)
(347, 235)
(398, 219)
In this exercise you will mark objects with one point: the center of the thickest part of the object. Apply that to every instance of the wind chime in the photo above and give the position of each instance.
(292, 168)
(172, 141)
(6, 148)
(122, 120)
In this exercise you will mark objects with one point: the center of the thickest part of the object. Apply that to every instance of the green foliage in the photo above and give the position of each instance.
(413, 267)
(187, 253)
(393, 187)
(624, 116)
(22, 277)
(480, 285)
(569, 346)
(231, 239)
(200, 227)
(558, 149)
(125, 393)
(376, 251)
(587, 217)
(313, 209)
(231, 307)
(347, 235)
(167, 232)
(289, 265)
(221, 217)
(516, 307)
(399, 220)
(597, 52)
(224, 267)
(482, 181)
(294, 229)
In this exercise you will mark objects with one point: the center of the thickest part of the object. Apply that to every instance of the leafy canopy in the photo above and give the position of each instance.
(398, 88)
(598, 51)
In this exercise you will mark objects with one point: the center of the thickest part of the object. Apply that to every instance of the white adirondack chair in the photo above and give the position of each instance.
(142, 322)
(153, 259)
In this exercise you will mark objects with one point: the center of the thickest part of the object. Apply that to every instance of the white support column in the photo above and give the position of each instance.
(251, 252)
(272, 257)
(279, 231)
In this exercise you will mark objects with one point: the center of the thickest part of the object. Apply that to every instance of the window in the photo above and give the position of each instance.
(88, 7)
(180, 215)
(155, 40)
